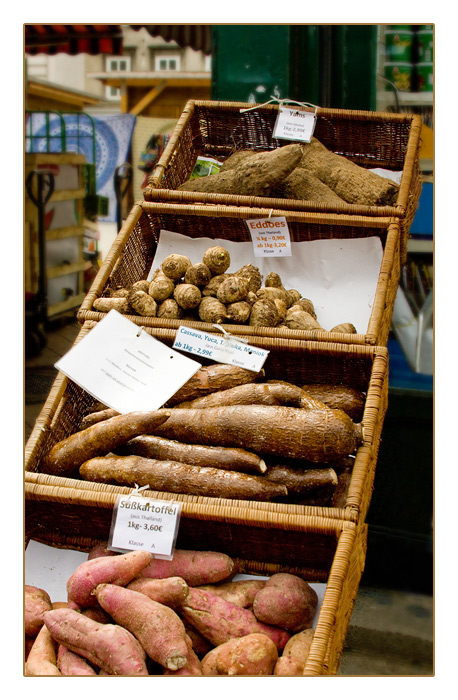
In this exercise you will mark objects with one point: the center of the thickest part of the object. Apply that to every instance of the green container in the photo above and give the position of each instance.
(425, 39)
(398, 45)
(429, 27)
(400, 74)
(400, 27)
(425, 75)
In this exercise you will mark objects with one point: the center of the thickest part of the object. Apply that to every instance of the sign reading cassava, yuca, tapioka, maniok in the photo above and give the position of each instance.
(270, 237)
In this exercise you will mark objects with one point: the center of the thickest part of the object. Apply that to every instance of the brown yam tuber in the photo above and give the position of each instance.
(36, 603)
(198, 274)
(317, 436)
(174, 266)
(217, 259)
(251, 655)
(142, 303)
(177, 477)
(157, 627)
(212, 311)
(301, 184)
(68, 454)
(197, 567)
(286, 601)
(110, 647)
(187, 296)
(294, 656)
(161, 287)
(212, 378)
(119, 570)
(154, 447)
(232, 289)
(236, 158)
(106, 304)
(350, 181)
(169, 591)
(219, 620)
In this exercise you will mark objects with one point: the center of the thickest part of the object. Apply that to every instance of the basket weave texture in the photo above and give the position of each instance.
(131, 255)
(318, 549)
(362, 367)
(370, 139)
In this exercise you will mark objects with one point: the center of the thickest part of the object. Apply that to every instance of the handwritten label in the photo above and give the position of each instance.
(270, 237)
(146, 524)
(126, 368)
(225, 349)
(294, 124)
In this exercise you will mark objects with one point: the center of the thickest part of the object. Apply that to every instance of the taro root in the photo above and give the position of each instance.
(142, 303)
(187, 296)
(238, 312)
(142, 285)
(344, 328)
(161, 287)
(264, 313)
(119, 293)
(293, 297)
(105, 304)
(272, 293)
(169, 309)
(212, 311)
(273, 279)
(232, 289)
(252, 274)
(217, 259)
(198, 274)
(282, 309)
(211, 289)
(297, 319)
(175, 266)
(306, 305)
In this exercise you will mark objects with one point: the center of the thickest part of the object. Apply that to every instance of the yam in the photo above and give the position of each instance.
(219, 620)
(284, 431)
(252, 655)
(232, 458)
(170, 591)
(214, 377)
(177, 477)
(119, 570)
(68, 454)
(109, 647)
(217, 259)
(294, 657)
(106, 304)
(301, 184)
(350, 181)
(36, 603)
(236, 158)
(286, 601)
(212, 311)
(196, 567)
(157, 627)
(119, 293)
(174, 266)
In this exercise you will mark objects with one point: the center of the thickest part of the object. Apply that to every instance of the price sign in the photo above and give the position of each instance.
(294, 124)
(270, 237)
(226, 348)
(144, 524)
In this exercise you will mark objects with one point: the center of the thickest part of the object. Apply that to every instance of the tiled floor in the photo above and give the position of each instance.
(390, 632)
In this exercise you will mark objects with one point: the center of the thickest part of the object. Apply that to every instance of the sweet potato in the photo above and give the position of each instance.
(68, 454)
(240, 593)
(345, 398)
(42, 657)
(36, 603)
(169, 591)
(252, 655)
(196, 567)
(212, 378)
(119, 570)
(192, 667)
(294, 656)
(71, 664)
(232, 458)
(200, 645)
(110, 647)
(101, 550)
(219, 620)
(316, 436)
(157, 627)
(177, 477)
(286, 601)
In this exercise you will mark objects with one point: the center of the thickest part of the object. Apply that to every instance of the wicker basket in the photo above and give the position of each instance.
(370, 139)
(131, 255)
(362, 367)
(318, 549)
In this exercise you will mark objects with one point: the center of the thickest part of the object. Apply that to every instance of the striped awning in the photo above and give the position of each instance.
(195, 36)
(73, 39)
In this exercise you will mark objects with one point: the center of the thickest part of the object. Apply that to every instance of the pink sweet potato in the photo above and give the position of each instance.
(101, 550)
(119, 570)
(196, 567)
(42, 658)
(239, 593)
(251, 655)
(294, 656)
(71, 664)
(286, 601)
(36, 603)
(157, 627)
(219, 620)
(169, 591)
(109, 647)
(192, 667)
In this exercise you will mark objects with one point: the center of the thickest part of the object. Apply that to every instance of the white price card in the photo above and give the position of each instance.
(126, 368)
(226, 349)
(270, 237)
(145, 524)
(294, 124)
